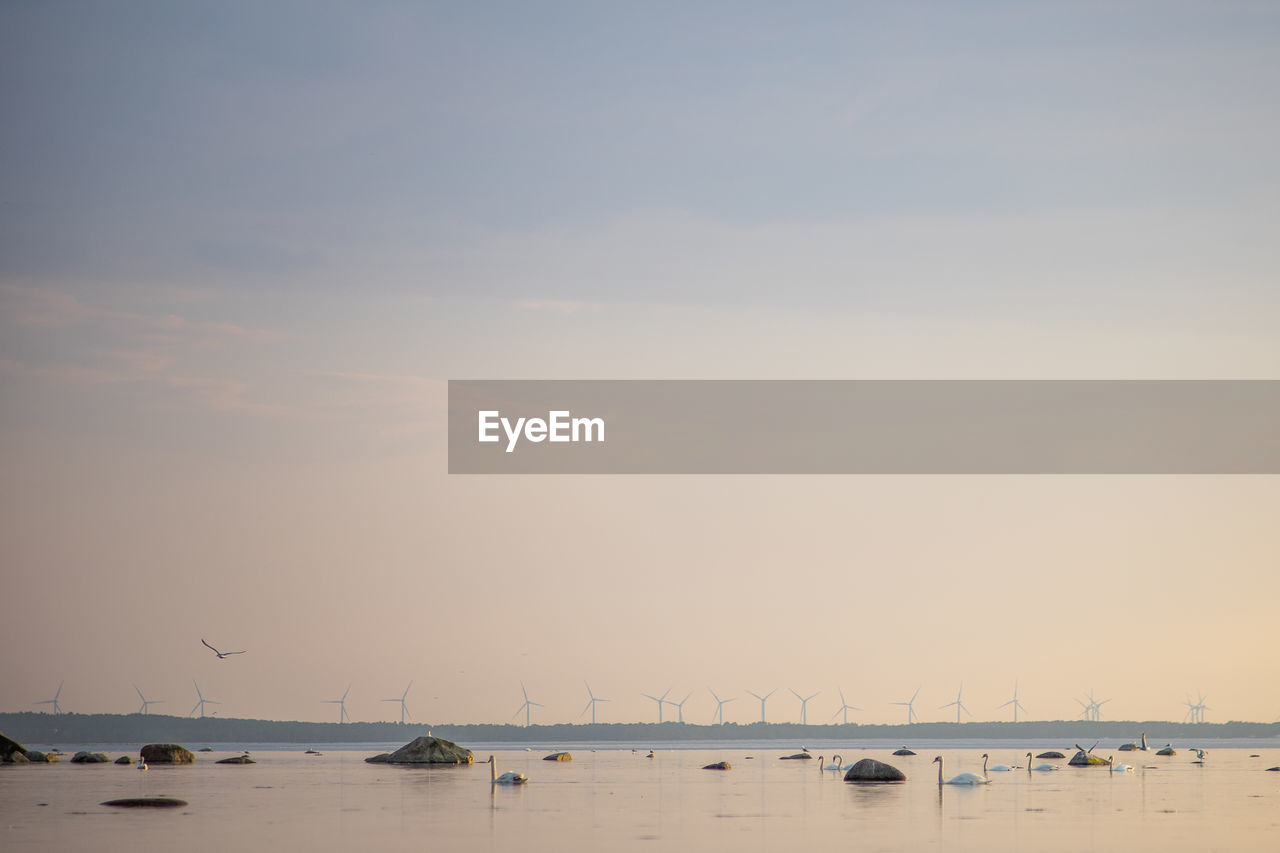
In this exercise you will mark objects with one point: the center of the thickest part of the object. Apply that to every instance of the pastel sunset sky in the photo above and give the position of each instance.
(243, 247)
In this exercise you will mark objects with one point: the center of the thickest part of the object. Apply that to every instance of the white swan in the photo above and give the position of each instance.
(508, 778)
(833, 767)
(999, 768)
(962, 779)
(1043, 768)
(1118, 768)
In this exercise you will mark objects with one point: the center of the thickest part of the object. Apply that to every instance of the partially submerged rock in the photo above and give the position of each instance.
(799, 756)
(426, 750)
(9, 748)
(35, 756)
(20, 758)
(1168, 750)
(236, 759)
(146, 803)
(166, 753)
(86, 757)
(903, 751)
(719, 765)
(1084, 759)
(870, 770)
(558, 756)
(1053, 753)
(124, 759)
(380, 758)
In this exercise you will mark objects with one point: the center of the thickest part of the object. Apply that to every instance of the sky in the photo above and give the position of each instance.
(244, 246)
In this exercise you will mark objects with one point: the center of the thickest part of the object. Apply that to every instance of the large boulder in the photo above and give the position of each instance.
(20, 758)
(166, 753)
(870, 770)
(719, 765)
(10, 747)
(35, 756)
(429, 750)
(86, 757)
(1085, 759)
(558, 756)
(124, 759)
(1053, 753)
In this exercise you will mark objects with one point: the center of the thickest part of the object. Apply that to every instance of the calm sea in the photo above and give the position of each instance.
(613, 798)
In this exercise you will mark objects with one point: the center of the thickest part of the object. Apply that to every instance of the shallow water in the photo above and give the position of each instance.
(618, 799)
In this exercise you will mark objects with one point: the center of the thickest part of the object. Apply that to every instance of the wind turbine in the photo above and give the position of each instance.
(846, 707)
(527, 707)
(660, 700)
(720, 703)
(804, 704)
(342, 706)
(911, 710)
(1014, 701)
(763, 699)
(591, 703)
(1093, 710)
(680, 706)
(203, 701)
(146, 703)
(959, 704)
(57, 709)
(404, 710)
(1195, 710)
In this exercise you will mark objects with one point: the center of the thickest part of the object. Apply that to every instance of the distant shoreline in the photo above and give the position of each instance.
(29, 727)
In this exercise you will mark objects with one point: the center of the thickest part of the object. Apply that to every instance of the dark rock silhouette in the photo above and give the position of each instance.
(86, 757)
(426, 750)
(166, 753)
(146, 803)
(719, 765)
(870, 770)
(558, 756)
(903, 751)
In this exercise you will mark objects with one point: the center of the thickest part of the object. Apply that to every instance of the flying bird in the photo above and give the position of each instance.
(220, 655)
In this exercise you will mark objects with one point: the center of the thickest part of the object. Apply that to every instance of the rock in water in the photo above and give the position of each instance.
(86, 757)
(719, 765)
(1168, 750)
(558, 756)
(380, 758)
(428, 750)
(124, 759)
(9, 747)
(1084, 759)
(146, 803)
(236, 759)
(870, 770)
(903, 751)
(19, 758)
(1053, 753)
(166, 753)
(799, 756)
(37, 757)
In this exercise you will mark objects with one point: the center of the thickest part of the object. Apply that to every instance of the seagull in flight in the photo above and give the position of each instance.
(220, 655)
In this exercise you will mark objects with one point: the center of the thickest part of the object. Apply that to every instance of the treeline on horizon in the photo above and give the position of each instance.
(43, 728)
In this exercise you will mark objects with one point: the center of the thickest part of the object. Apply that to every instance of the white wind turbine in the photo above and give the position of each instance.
(404, 709)
(679, 706)
(911, 707)
(1092, 709)
(527, 707)
(1014, 702)
(591, 703)
(199, 706)
(146, 703)
(57, 709)
(958, 704)
(763, 699)
(660, 700)
(845, 707)
(720, 703)
(1195, 710)
(342, 706)
(804, 704)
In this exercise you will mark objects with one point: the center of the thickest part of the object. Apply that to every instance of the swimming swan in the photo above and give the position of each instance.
(999, 768)
(1044, 768)
(1118, 768)
(508, 778)
(962, 779)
